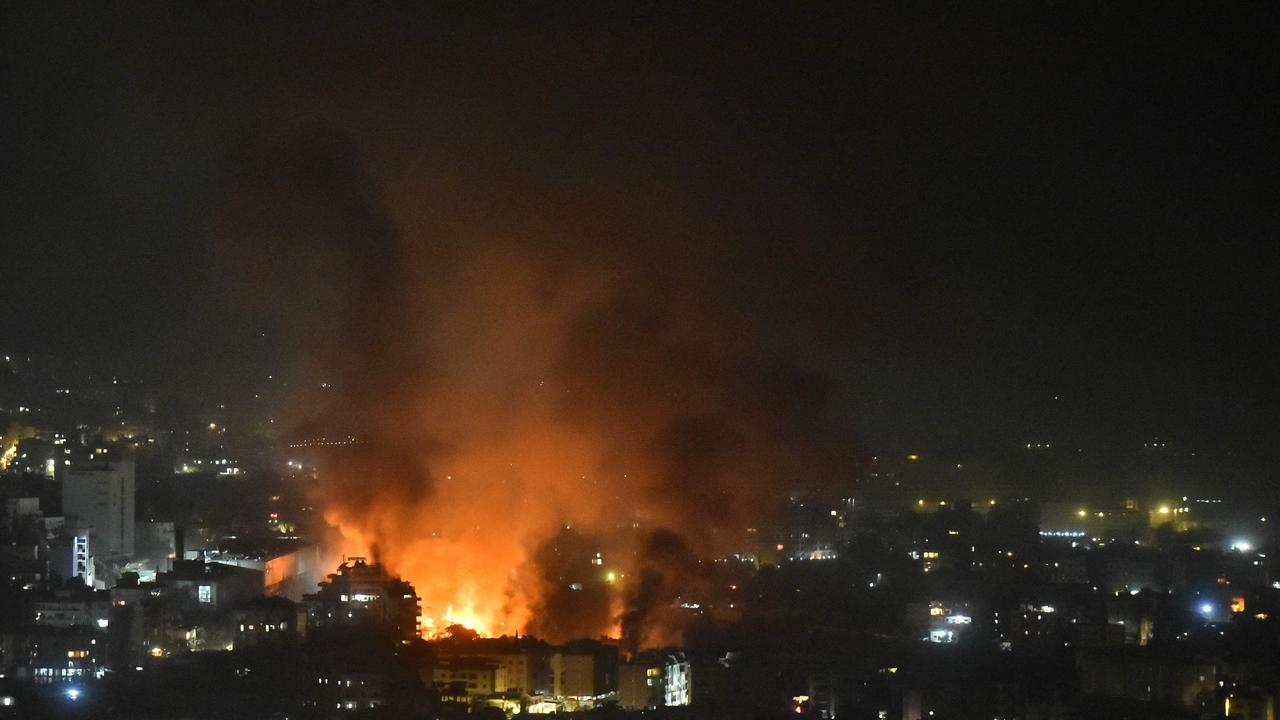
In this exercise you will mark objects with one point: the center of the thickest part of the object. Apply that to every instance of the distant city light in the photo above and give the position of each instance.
(1241, 546)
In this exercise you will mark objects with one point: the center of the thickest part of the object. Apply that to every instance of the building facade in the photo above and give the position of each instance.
(100, 495)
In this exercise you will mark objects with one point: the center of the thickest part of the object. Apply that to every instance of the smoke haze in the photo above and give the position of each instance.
(534, 312)
(502, 389)
(956, 217)
(626, 269)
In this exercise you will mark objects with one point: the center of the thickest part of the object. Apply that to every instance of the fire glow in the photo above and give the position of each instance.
(507, 383)
(467, 548)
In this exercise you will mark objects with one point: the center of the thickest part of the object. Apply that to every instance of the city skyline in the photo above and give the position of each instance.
(978, 228)
(711, 361)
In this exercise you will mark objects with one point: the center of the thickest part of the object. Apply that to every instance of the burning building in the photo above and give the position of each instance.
(495, 384)
(362, 593)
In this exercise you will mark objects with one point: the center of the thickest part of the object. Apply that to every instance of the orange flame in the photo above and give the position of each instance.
(466, 550)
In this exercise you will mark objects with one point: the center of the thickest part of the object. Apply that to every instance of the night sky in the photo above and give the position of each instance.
(986, 225)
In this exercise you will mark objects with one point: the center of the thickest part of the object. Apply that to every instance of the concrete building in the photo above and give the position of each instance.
(478, 675)
(210, 586)
(573, 675)
(361, 592)
(655, 679)
(288, 573)
(269, 620)
(53, 655)
(584, 670)
(68, 607)
(526, 661)
(71, 553)
(349, 691)
(100, 495)
(20, 507)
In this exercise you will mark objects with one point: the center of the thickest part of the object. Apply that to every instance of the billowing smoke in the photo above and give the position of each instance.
(526, 391)
(667, 569)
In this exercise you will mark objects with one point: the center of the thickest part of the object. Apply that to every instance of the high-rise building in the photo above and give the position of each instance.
(99, 494)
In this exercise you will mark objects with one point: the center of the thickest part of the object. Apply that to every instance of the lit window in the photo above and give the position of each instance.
(205, 593)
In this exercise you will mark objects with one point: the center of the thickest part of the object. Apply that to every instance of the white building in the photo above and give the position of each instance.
(655, 679)
(99, 494)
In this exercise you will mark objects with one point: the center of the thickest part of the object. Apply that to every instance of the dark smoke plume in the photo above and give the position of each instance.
(500, 386)
(523, 329)
(667, 570)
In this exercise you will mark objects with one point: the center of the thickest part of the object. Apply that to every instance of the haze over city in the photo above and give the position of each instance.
(704, 360)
